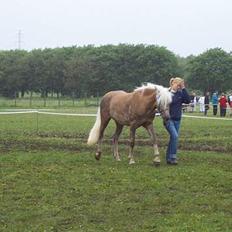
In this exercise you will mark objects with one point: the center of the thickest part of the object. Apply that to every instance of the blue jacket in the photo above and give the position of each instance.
(179, 97)
(214, 99)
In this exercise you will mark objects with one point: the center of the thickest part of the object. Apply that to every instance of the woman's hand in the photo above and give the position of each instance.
(182, 85)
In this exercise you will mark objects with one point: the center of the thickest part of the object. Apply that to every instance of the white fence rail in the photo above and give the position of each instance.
(94, 115)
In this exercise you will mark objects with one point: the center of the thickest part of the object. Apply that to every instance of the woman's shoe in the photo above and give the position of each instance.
(172, 162)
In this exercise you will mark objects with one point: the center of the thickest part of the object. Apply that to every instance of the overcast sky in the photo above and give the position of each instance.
(183, 26)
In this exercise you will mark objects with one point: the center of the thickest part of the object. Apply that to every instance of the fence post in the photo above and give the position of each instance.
(73, 98)
(58, 96)
(30, 104)
(37, 121)
(44, 101)
(85, 99)
(97, 99)
(15, 96)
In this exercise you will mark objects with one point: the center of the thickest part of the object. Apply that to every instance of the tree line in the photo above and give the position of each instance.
(93, 71)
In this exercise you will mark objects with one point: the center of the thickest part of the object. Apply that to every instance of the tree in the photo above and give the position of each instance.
(158, 65)
(11, 69)
(85, 70)
(210, 71)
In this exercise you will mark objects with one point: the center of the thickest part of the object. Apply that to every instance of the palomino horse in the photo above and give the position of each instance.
(134, 109)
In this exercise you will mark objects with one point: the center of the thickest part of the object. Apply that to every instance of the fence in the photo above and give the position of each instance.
(58, 124)
(37, 102)
(94, 115)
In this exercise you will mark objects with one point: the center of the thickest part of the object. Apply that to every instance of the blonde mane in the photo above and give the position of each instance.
(164, 96)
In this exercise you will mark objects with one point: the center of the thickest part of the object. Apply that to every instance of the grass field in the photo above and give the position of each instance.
(50, 181)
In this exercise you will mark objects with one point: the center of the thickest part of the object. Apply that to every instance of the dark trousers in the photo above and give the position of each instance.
(214, 109)
(206, 109)
(222, 112)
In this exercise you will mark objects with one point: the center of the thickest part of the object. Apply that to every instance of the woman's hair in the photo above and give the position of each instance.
(175, 80)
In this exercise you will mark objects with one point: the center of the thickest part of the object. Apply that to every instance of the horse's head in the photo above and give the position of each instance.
(163, 99)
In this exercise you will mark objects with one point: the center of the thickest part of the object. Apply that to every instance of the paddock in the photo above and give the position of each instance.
(50, 179)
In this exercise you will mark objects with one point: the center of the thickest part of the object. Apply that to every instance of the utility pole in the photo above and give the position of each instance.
(19, 39)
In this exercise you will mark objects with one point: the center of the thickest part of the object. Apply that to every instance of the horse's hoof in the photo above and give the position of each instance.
(157, 164)
(132, 162)
(117, 158)
(98, 155)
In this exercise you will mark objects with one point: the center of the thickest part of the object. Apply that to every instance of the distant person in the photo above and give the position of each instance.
(201, 102)
(230, 103)
(215, 103)
(193, 102)
(206, 103)
(223, 105)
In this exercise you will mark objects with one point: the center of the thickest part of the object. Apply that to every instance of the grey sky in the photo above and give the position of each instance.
(183, 26)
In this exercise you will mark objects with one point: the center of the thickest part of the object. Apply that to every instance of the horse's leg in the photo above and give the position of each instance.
(104, 123)
(116, 135)
(132, 143)
(153, 136)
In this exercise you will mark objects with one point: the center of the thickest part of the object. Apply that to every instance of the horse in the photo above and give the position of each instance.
(134, 109)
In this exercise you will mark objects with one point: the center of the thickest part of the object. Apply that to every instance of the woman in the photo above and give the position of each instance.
(230, 103)
(223, 105)
(179, 96)
(201, 102)
(206, 102)
(215, 103)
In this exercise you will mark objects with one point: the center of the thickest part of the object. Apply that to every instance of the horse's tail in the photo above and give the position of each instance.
(95, 131)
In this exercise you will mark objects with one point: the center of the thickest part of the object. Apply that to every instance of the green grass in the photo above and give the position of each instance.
(195, 134)
(70, 191)
(50, 181)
